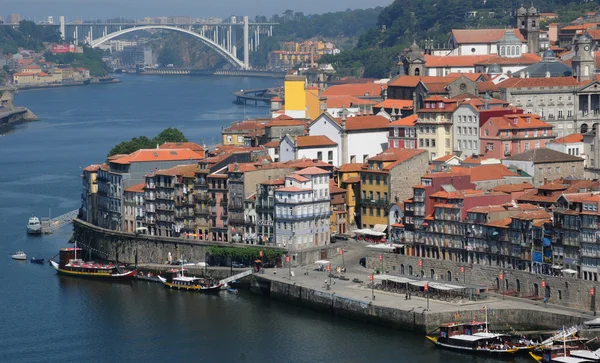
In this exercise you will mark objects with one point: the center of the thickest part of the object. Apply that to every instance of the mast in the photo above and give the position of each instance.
(181, 265)
(75, 249)
(564, 342)
(486, 321)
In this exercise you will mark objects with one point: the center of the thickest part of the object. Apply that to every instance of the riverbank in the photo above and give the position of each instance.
(354, 300)
(93, 80)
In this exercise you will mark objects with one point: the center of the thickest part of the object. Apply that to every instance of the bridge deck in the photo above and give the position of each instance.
(51, 225)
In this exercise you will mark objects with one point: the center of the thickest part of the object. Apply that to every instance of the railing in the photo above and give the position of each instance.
(381, 202)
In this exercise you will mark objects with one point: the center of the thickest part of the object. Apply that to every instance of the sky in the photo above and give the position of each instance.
(102, 9)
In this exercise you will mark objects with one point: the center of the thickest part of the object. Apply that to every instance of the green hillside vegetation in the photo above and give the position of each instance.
(142, 142)
(405, 21)
(90, 59)
(28, 36)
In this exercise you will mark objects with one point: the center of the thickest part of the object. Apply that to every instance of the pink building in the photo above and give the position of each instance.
(507, 135)
(403, 133)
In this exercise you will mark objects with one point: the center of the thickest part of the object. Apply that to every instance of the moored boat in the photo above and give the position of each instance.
(70, 265)
(34, 226)
(178, 279)
(39, 261)
(565, 347)
(19, 255)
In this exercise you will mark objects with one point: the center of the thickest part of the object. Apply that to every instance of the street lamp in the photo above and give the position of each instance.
(502, 283)
(372, 287)
(426, 288)
(289, 262)
(381, 260)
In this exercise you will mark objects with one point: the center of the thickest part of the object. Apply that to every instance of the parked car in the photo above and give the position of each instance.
(363, 262)
(235, 264)
(268, 265)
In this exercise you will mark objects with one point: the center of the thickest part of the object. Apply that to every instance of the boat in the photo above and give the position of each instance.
(569, 349)
(231, 290)
(34, 226)
(39, 261)
(178, 279)
(475, 337)
(70, 265)
(20, 255)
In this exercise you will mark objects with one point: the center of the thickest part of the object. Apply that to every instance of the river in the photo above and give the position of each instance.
(46, 317)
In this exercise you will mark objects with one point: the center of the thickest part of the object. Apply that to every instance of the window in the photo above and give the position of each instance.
(365, 157)
(558, 170)
(420, 142)
(370, 179)
(432, 142)
(447, 143)
(459, 129)
(320, 155)
(549, 171)
(526, 146)
(535, 133)
(330, 153)
(537, 144)
(470, 144)
(486, 132)
(427, 142)
(229, 139)
(371, 211)
(526, 133)
(545, 132)
(240, 139)
(377, 181)
(470, 118)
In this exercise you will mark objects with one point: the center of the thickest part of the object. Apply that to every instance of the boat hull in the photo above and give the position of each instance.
(194, 288)
(34, 230)
(39, 261)
(19, 258)
(457, 348)
(94, 275)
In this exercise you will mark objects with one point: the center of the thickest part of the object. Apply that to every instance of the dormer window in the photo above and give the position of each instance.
(441, 105)
(426, 104)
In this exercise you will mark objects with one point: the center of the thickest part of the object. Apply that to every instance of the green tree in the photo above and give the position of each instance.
(170, 134)
(168, 55)
(142, 142)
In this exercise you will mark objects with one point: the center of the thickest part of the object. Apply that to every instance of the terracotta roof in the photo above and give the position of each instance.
(352, 180)
(272, 144)
(396, 156)
(246, 126)
(569, 139)
(276, 99)
(312, 170)
(525, 58)
(408, 121)
(535, 214)
(579, 26)
(279, 181)
(470, 36)
(486, 172)
(147, 155)
(433, 61)
(577, 197)
(396, 104)
(444, 158)
(474, 160)
(138, 188)
(370, 89)
(487, 86)
(519, 121)
(186, 171)
(93, 167)
(314, 141)
(539, 82)
(334, 189)
(183, 145)
(501, 223)
(544, 155)
(350, 167)
(509, 188)
(594, 198)
(298, 177)
(472, 76)
(283, 117)
(305, 163)
(487, 209)
(346, 101)
(369, 122)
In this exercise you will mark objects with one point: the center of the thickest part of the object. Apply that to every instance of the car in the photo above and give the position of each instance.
(268, 265)
(363, 262)
(237, 265)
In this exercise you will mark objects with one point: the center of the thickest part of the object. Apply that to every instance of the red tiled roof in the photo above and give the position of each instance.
(314, 141)
(183, 145)
(433, 61)
(147, 155)
(371, 89)
(470, 36)
(406, 122)
(350, 167)
(396, 104)
(312, 170)
(444, 158)
(579, 26)
(272, 144)
(352, 180)
(369, 122)
(187, 171)
(539, 82)
(525, 58)
(298, 177)
(519, 121)
(509, 188)
(138, 188)
(569, 139)
(412, 81)
(472, 76)
(486, 172)
(396, 156)
(279, 181)
(93, 167)
(345, 101)
(291, 189)
(502, 223)
(334, 189)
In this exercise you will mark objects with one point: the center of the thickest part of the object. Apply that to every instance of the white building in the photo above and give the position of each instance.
(572, 144)
(302, 210)
(503, 42)
(309, 147)
(357, 137)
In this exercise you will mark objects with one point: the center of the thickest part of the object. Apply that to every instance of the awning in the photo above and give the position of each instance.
(569, 271)
(557, 267)
(381, 246)
(380, 228)
(322, 262)
(369, 232)
(399, 245)
(392, 278)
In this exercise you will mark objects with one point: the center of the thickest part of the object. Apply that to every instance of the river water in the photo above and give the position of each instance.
(46, 317)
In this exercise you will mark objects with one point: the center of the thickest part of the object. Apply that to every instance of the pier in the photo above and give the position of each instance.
(51, 225)
(262, 95)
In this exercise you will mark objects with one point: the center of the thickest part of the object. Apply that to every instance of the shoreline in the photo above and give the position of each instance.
(91, 81)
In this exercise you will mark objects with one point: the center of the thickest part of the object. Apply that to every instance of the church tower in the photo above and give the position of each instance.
(528, 23)
(583, 62)
(413, 61)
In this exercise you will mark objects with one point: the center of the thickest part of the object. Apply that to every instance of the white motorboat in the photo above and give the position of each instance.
(34, 226)
(20, 255)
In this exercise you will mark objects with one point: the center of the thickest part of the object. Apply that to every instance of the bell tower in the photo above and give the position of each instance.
(528, 23)
(583, 62)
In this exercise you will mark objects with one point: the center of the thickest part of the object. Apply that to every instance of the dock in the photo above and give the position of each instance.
(51, 225)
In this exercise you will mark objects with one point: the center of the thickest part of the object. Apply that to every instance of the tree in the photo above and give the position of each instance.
(170, 135)
(142, 142)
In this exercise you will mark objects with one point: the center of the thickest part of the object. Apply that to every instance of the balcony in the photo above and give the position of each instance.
(419, 198)
(223, 203)
(162, 196)
(150, 220)
(201, 211)
(237, 219)
(150, 186)
(224, 215)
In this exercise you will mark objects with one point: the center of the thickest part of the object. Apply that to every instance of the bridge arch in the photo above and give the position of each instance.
(216, 47)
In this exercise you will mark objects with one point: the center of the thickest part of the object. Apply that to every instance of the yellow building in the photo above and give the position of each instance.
(349, 179)
(315, 104)
(434, 126)
(244, 133)
(295, 96)
(306, 46)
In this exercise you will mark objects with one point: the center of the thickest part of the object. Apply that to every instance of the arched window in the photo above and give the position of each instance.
(497, 283)
(410, 270)
(536, 290)
(533, 24)
(518, 286)
(449, 275)
(584, 128)
(547, 292)
(432, 273)
(417, 72)
(586, 71)
(502, 51)
(518, 50)
(402, 269)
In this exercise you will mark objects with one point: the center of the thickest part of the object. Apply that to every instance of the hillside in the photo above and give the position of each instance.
(406, 20)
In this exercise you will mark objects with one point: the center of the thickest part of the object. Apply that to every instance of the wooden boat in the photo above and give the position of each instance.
(564, 347)
(178, 279)
(19, 255)
(70, 265)
(39, 261)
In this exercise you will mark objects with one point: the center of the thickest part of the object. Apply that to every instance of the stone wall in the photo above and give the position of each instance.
(309, 255)
(564, 291)
(406, 174)
(413, 320)
(121, 246)
(490, 184)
